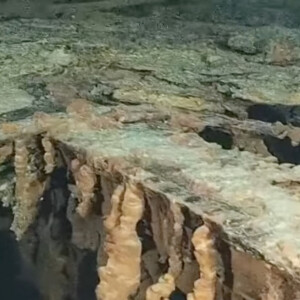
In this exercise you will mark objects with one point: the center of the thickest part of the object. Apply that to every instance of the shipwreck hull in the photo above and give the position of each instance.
(150, 150)
(132, 210)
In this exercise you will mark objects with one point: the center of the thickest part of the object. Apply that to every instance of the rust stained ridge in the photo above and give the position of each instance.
(262, 220)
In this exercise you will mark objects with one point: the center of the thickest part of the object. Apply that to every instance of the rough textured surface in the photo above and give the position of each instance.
(206, 255)
(221, 183)
(213, 183)
(123, 246)
(143, 91)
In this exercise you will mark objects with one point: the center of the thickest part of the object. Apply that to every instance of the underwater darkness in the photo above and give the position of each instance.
(12, 286)
(250, 13)
(15, 278)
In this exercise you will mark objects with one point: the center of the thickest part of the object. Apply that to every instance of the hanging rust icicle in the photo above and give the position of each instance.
(175, 255)
(21, 165)
(120, 278)
(49, 156)
(166, 283)
(28, 190)
(273, 287)
(162, 289)
(206, 256)
(85, 181)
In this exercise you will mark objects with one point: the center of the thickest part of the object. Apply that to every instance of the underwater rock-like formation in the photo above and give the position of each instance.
(154, 224)
(149, 152)
(120, 278)
(28, 190)
(163, 289)
(85, 181)
(166, 283)
(205, 287)
(49, 155)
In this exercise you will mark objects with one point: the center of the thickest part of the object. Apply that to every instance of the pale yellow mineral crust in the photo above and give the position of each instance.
(21, 165)
(28, 190)
(161, 290)
(159, 228)
(120, 278)
(85, 181)
(10, 128)
(166, 283)
(5, 152)
(49, 155)
(107, 189)
(205, 253)
(273, 287)
(51, 124)
(175, 255)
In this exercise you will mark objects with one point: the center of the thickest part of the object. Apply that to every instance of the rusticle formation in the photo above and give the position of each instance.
(120, 278)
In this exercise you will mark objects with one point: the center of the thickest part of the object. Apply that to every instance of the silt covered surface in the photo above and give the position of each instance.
(248, 196)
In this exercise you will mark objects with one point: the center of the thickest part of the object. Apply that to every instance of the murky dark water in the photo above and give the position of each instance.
(13, 285)
(15, 280)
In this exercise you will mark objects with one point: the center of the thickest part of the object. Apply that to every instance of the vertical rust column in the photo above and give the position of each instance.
(120, 278)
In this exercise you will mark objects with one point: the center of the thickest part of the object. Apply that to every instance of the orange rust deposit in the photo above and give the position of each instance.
(28, 189)
(149, 244)
(80, 108)
(150, 150)
(10, 128)
(161, 290)
(122, 245)
(85, 181)
(49, 155)
(206, 255)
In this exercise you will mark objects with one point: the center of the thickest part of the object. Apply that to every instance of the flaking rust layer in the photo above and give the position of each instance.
(166, 284)
(85, 181)
(216, 223)
(120, 278)
(49, 155)
(206, 255)
(29, 187)
(167, 200)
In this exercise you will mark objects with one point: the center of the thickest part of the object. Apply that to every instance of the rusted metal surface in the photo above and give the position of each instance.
(152, 109)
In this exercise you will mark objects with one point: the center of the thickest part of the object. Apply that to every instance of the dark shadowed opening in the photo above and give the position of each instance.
(283, 150)
(88, 276)
(218, 136)
(177, 295)
(15, 279)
